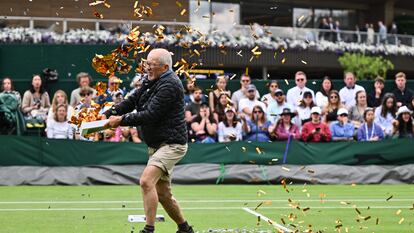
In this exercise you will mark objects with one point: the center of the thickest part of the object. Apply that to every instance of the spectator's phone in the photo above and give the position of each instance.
(318, 130)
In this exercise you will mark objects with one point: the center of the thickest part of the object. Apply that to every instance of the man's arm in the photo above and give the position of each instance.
(125, 106)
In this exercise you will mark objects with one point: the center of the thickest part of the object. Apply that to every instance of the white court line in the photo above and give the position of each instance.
(271, 222)
(197, 208)
(204, 201)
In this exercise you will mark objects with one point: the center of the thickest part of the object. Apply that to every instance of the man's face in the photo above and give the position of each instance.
(197, 95)
(113, 84)
(280, 97)
(251, 94)
(300, 80)
(349, 80)
(245, 81)
(84, 81)
(343, 118)
(315, 117)
(153, 67)
(400, 82)
(379, 85)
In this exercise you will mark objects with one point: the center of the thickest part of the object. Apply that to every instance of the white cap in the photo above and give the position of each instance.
(342, 111)
(316, 109)
(403, 109)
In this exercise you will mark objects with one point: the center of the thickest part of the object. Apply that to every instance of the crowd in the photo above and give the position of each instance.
(222, 116)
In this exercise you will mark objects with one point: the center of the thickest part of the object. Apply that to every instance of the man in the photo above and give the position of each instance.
(375, 97)
(246, 105)
(342, 130)
(275, 108)
(348, 92)
(402, 93)
(382, 32)
(193, 107)
(159, 106)
(315, 130)
(295, 94)
(84, 80)
(241, 93)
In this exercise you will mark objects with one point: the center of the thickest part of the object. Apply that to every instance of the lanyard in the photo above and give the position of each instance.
(372, 131)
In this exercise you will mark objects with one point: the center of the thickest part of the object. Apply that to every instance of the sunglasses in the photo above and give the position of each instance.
(85, 94)
(251, 91)
(258, 112)
(300, 80)
(343, 115)
(279, 94)
(245, 81)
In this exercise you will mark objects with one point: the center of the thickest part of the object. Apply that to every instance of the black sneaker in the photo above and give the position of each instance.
(190, 230)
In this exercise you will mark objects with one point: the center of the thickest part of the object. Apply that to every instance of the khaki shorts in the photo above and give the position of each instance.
(165, 157)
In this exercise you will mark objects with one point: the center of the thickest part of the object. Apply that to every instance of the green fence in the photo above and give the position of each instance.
(37, 151)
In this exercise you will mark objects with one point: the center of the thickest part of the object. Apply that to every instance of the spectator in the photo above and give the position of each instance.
(411, 104)
(188, 91)
(324, 26)
(322, 95)
(84, 80)
(304, 109)
(315, 130)
(223, 102)
(370, 131)
(86, 94)
(375, 97)
(35, 104)
(256, 129)
(382, 32)
(284, 127)
(241, 93)
(230, 129)
(192, 109)
(204, 126)
(403, 126)
(370, 34)
(213, 96)
(402, 93)
(112, 135)
(130, 134)
(394, 29)
(59, 98)
(117, 97)
(246, 104)
(332, 35)
(329, 112)
(7, 87)
(135, 84)
(337, 31)
(347, 93)
(271, 96)
(295, 94)
(58, 127)
(342, 129)
(275, 108)
(385, 114)
(112, 90)
(356, 113)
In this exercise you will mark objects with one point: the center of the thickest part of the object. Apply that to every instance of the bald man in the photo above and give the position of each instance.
(159, 106)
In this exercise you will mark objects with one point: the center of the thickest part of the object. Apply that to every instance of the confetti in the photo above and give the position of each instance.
(285, 168)
(98, 15)
(258, 150)
(179, 4)
(275, 160)
(244, 149)
(301, 17)
(398, 212)
(389, 198)
(377, 221)
(311, 171)
(304, 62)
(357, 210)
(401, 221)
(283, 60)
(239, 53)
(183, 11)
(260, 192)
(233, 76)
(260, 204)
(287, 82)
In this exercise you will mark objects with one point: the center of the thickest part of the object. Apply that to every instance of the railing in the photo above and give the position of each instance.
(306, 34)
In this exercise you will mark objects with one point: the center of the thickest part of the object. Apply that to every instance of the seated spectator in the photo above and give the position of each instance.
(59, 98)
(257, 128)
(329, 112)
(315, 130)
(284, 127)
(271, 96)
(35, 104)
(188, 92)
(375, 97)
(130, 134)
(385, 114)
(117, 97)
(86, 94)
(113, 88)
(342, 129)
(369, 131)
(7, 87)
(58, 127)
(214, 95)
(275, 108)
(411, 104)
(135, 84)
(322, 95)
(402, 93)
(112, 135)
(246, 104)
(304, 109)
(204, 126)
(348, 92)
(193, 107)
(356, 113)
(84, 80)
(230, 129)
(403, 126)
(296, 94)
(242, 92)
(223, 102)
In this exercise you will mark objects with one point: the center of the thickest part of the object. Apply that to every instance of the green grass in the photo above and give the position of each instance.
(105, 208)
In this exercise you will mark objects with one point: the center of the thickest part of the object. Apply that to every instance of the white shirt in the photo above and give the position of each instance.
(269, 99)
(239, 95)
(59, 130)
(321, 100)
(348, 95)
(51, 114)
(295, 95)
(384, 122)
(303, 114)
(274, 110)
(224, 132)
(246, 103)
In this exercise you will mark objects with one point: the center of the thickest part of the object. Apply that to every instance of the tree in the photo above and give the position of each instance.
(365, 67)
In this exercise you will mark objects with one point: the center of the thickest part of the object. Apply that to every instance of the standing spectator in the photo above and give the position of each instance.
(246, 104)
(382, 32)
(256, 129)
(58, 127)
(241, 93)
(275, 108)
(271, 96)
(213, 96)
(386, 113)
(394, 29)
(370, 131)
(84, 80)
(59, 98)
(315, 130)
(332, 33)
(8, 87)
(204, 126)
(402, 93)
(342, 129)
(324, 26)
(295, 94)
(192, 109)
(322, 95)
(375, 97)
(348, 92)
(284, 127)
(337, 31)
(223, 102)
(357, 111)
(230, 129)
(35, 104)
(304, 109)
(370, 34)
(329, 112)
(403, 126)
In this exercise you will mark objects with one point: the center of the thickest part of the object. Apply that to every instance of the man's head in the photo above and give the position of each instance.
(158, 62)
(379, 83)
(197, 94)
(400, 80)
(251, 92)
(342, 115)
(300, 79)
(245, 80)
(280, 96)
(315, 114)
(86, 93)
(83, 79)
(349, 79)
(113, 83)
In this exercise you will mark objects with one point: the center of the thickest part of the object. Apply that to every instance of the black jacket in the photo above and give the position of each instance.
(403, 96)
(159, 108)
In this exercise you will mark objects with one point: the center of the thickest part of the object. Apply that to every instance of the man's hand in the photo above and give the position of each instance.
(114, 121)
(103, 117)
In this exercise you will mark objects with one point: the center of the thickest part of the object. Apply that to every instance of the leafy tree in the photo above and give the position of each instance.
(365, 67)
